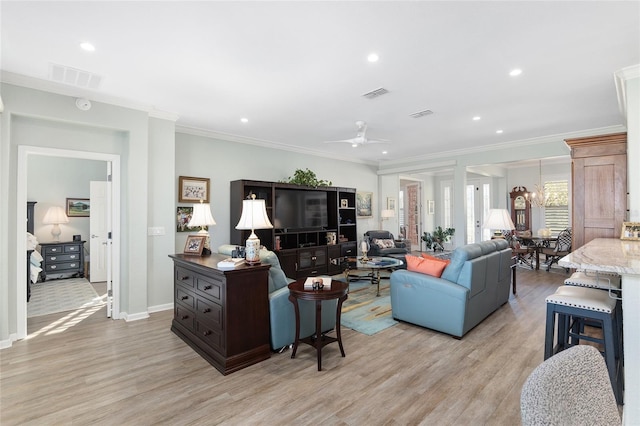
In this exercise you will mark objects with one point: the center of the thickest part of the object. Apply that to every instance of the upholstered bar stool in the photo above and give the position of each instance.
(574, 304)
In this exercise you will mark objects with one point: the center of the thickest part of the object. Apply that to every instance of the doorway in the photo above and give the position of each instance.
(113, 161)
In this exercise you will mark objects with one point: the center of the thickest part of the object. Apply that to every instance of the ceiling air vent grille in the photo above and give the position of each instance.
(74, 77)
(375, 93)
(421, 113)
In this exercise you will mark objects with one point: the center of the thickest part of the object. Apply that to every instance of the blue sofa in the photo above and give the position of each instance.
(472, 286)
(281, 312)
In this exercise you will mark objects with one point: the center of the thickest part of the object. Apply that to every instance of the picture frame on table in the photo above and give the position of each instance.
(78, 207)
(344, 203)
(194, 245)
(193, 189)
(364, 203)
(630, 231)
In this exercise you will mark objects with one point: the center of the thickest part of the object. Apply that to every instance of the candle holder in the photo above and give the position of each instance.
(364, 248)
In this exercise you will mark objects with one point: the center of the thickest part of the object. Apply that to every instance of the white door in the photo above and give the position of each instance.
(99, 231)
(478, 195)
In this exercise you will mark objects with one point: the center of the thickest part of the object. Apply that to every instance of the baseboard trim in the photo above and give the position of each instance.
(4, 344)
(134, 317)
(160, 308)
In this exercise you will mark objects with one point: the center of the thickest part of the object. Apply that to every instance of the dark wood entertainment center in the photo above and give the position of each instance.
(302, 252)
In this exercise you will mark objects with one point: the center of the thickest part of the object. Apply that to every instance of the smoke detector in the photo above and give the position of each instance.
(83, 104)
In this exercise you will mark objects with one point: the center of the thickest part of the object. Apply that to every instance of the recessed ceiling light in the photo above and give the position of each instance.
(476, 118)
(244, 120)
(355, 145)
(499, 131)
(87, 46)
(515, 72)
(373, 57)
(384, 152)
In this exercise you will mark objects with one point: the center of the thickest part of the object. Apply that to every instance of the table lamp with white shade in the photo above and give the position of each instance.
(202, 217)
(498, 219)
(55, 216)
(386, 215)
(254, 216)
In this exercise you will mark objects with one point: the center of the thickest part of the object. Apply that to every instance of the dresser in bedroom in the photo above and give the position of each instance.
(62, 259)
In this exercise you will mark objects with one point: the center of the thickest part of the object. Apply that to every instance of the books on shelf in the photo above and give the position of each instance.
(231, 262)
(310, 281)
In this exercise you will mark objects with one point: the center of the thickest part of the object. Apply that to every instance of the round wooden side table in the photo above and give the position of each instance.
(297, 292)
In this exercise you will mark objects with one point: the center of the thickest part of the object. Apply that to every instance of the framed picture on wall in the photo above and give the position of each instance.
(391, 204)
(431, 207)
(193, 189)
(183, 216)
(364, 203)
(78, 207)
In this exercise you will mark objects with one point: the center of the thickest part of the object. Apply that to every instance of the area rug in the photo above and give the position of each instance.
(54, 296)
(365, 312)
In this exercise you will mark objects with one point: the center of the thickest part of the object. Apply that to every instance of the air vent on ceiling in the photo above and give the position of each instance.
(74, 77)
(375, 93)
(421, 113)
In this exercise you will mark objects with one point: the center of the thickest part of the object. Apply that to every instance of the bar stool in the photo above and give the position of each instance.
(574, 305)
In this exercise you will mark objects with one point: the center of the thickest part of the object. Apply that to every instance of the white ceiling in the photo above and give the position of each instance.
(298, 70)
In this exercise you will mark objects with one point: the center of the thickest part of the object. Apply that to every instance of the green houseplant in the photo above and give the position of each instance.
(306, 178)
(438, 237)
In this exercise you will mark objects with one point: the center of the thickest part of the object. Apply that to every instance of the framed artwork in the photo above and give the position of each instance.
(193, 189)
(431, 207)
(344, 203)
(364, 201)
(391, 204)
(78, 207)
(194, 245)
(630, 231)
(183, 216)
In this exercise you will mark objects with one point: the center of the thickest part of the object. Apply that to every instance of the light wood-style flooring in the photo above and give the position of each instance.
(82, 368)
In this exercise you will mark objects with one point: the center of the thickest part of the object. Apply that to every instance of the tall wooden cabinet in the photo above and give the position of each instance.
(599, 187)
(301, 252)
(520, 210)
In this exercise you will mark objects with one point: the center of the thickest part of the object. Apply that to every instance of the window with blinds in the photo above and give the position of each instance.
(556, 209)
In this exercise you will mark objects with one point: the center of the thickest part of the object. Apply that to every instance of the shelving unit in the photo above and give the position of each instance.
(303, 252)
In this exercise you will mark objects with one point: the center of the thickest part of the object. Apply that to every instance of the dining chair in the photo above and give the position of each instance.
(561, 248)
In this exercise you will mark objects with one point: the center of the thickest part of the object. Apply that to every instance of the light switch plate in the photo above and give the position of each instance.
(156, 230)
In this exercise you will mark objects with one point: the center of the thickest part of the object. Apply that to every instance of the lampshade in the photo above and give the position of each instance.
(254, 216)
(55, 216)
(386, 214)
(498, 219)
(201, 216)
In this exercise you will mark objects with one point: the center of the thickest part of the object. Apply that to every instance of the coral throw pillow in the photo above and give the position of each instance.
(426, 265)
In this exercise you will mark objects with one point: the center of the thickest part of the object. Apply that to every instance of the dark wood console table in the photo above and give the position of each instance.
(338, 291)
(222, 314)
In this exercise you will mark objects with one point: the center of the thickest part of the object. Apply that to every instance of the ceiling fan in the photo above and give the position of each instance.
(361, 138)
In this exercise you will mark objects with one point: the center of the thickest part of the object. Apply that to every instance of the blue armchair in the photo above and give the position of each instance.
(281, 312)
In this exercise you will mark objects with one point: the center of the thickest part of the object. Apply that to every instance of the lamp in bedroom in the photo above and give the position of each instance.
(202, 217)
(498, 219)
(254, 216)
(55, 216)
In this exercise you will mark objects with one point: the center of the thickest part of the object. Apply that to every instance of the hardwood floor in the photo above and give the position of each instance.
(82, 368)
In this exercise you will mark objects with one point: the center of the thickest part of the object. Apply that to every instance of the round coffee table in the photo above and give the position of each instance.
(375, 264)
(297, 292)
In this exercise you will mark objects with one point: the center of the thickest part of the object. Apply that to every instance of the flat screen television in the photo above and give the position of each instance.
(300, 209)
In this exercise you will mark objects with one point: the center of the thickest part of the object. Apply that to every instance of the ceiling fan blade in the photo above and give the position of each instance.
(377, 141)
(342, 141)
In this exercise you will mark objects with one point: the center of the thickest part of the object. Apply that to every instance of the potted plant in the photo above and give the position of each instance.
(436, 239)
(306, 178)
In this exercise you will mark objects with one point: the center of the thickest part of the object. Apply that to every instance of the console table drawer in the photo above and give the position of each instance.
(185, 317)
(210, 335)
(62, 267)
(211, 313)
(185, 297)
(210, 286)
(184, 276)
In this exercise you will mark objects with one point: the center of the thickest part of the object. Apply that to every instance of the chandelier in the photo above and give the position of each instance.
(538, 198)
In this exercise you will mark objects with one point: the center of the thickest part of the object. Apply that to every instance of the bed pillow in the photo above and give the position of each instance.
(429, 266)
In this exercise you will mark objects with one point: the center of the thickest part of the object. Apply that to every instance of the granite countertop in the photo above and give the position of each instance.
(606, 254)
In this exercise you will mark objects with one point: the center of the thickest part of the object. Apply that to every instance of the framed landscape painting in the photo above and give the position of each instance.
(78, 207)
(364, 203)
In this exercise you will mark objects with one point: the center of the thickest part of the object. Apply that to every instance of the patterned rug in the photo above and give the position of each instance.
(365, 312)
(54, 296)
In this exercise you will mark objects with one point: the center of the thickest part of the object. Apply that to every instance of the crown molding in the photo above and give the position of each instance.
(228, 137)
(620, 77)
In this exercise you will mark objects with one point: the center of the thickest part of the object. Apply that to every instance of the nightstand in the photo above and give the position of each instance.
(62, 259)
